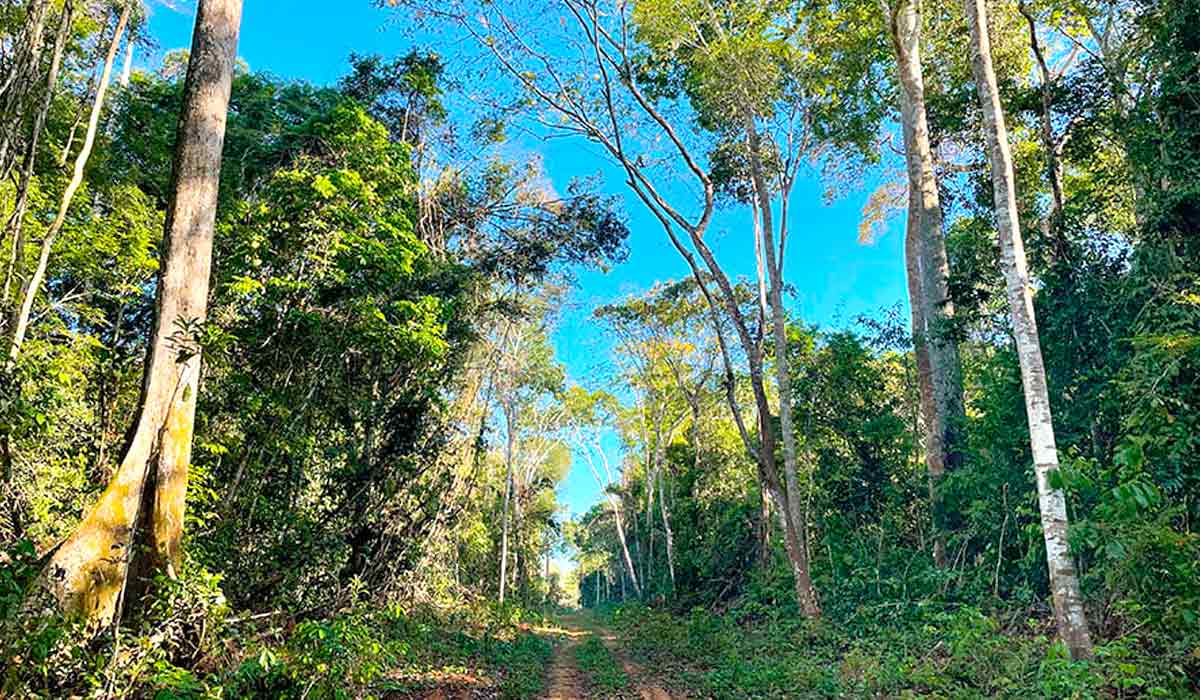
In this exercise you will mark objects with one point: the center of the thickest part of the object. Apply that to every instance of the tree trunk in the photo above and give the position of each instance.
(670, 536)
(648, 554)
(16, 220)
(796, 520)
(615, 504)
(127, 69)
(1064, 584)
(509, 449)
(29, 291)
(145, 501)
(935, 347)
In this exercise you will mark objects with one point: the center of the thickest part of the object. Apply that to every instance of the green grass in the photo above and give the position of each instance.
(603, 670)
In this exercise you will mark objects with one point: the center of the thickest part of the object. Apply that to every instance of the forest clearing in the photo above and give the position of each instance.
(653, 349)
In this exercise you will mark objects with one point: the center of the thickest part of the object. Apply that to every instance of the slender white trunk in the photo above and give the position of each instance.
(670, 536)
(1064, 583)
(29, 291)
(614, 503)
(509, 449)
(796, 520)
(127, 69)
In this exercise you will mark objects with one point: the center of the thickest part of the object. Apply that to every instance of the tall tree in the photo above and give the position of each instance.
(938, 364)
(90, 572)
(586, 414)
(526, 373)
(1064, 582)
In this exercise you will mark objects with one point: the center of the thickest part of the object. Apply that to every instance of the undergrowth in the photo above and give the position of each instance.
(190, 646)
(935, 652)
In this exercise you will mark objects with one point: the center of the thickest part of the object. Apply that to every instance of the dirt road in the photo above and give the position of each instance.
(567, 681)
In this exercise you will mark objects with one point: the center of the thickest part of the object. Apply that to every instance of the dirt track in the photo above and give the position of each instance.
(566, 681)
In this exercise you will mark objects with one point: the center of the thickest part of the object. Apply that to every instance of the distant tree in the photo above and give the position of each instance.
(928, 269)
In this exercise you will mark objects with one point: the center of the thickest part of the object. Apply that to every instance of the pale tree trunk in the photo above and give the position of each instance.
(520, 565)
(670, 535)
(614, 502)
(648, 553)
(509, 450)
(796, 520)
(16, 220)
(144, 503)
(127, 69)
(1064, 583)
(29, 291)
(928, 268)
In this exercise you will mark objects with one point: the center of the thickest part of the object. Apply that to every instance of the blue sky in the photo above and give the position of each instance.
(835, 277)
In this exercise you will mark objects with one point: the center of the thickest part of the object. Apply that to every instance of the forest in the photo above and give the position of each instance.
(296, 400)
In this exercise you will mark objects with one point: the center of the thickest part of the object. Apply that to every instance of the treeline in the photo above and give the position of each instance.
(1024, 440)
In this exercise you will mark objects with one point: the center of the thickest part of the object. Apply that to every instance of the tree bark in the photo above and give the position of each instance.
(795, 521)
(29, 291)
(614, 502)
(670, 535)
(127, 68)
(509, 449)
(1064, 583)
(16, 220)
(90, 572)
(928, 267)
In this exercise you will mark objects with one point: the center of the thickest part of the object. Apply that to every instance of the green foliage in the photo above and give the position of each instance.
(936, 652)
(185, 646)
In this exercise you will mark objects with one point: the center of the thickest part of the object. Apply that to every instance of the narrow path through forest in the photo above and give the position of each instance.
(566, 680)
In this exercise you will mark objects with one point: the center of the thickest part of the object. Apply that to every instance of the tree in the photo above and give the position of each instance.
(586, 414)
(526, 373)
(666, 351)
(90, 572)
(1064, 582)
(608, 94)
(928, 269)
(19, 323)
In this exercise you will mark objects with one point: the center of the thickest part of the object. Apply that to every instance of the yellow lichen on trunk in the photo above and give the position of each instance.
(170, 495)
(126, 536)
(87, 573)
